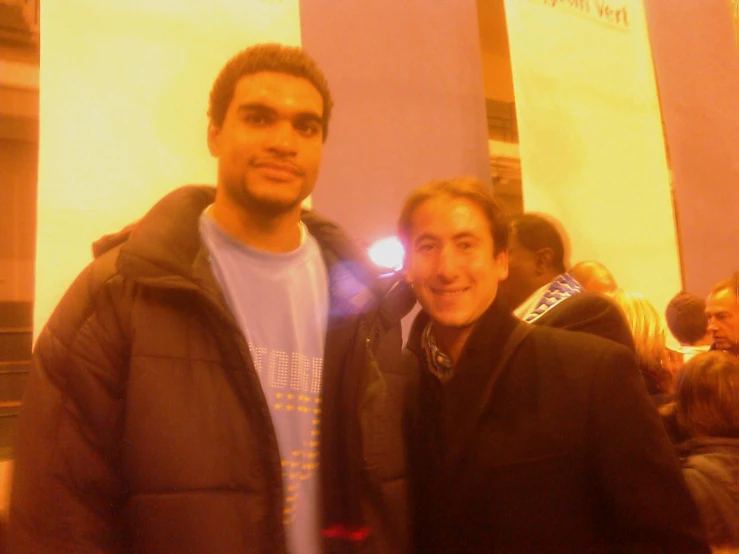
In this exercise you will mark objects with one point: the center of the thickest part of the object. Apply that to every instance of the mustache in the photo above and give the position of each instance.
(278, 163)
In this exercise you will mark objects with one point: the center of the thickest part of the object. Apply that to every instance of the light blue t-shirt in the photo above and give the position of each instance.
(280, 301)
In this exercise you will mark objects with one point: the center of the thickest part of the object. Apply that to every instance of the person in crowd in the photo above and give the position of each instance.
(224, 376)
(707, 408)
(523, 438)
(649, 339)
(593, 276)
(540, 291)
(722, 311)
(686, 319)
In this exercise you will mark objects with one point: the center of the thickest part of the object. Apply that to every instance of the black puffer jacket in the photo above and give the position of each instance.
(144, 426)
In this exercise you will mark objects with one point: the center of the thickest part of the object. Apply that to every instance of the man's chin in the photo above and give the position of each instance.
(274, 206)
(724, 345)
(449, 321)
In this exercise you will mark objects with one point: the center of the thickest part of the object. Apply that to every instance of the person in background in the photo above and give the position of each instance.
(649, 338)
(540, 291)
(722, 311)
(522, 438)
(707, 408)
(225, 376)
(686, 319)
(593, 276)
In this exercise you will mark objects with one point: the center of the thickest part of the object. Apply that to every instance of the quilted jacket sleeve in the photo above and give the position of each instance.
(67, 486)
(636, 466)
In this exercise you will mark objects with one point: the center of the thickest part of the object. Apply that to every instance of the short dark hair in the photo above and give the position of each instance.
(535, 232)
(686, 317)
(707, 395)
(267, 57)
(470, 188)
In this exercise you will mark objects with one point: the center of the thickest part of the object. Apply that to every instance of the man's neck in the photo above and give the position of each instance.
(451, 340)
(734, 350)
(279, 233)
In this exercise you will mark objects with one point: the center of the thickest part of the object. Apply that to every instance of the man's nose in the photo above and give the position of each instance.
(447, 266)
(711, 323)
(283, 137)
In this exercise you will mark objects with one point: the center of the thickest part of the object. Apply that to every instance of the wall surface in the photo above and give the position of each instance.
(407, 82)
(696, 56)
(18, 161)
(494, 50)
(123, 98)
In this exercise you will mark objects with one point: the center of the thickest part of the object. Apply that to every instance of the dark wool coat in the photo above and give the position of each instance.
(566, 454)
(711, 469)
(589, 312)
(144, 426)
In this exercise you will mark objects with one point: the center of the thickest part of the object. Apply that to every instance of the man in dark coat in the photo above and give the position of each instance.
(523, 438)
(224, 376)
(540, 291)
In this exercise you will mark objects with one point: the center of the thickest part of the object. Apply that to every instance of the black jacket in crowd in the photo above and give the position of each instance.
(566, 454)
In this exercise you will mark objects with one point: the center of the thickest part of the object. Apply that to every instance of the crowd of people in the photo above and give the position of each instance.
(228, 374)
(695, 386)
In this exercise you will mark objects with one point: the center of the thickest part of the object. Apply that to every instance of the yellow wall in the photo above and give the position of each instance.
(123, 97)
(591, 141)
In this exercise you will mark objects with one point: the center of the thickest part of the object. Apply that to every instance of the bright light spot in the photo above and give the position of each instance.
(387, 252)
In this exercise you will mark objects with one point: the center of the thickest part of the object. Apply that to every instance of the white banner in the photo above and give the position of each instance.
(591, 141)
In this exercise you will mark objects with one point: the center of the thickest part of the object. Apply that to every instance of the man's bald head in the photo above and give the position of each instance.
(593, 276)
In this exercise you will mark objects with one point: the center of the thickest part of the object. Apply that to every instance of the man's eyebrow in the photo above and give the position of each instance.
(465, 235)
(308, 116)
(255, 106)
(424, 236)
(260, 107)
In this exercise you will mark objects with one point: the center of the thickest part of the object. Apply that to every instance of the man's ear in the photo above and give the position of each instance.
(501, 259)
(214, 133)
(544, 258)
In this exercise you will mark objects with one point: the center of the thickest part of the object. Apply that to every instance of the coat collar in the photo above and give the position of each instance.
(484, 344)
(164, 249)
(463, 394)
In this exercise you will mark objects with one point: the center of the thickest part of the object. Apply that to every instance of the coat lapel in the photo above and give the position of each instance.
(477, 372)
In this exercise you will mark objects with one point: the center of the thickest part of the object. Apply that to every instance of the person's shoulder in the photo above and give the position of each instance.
(592, 313)
(327, 231)
(339, 248)
(584, 343)
(590, 301)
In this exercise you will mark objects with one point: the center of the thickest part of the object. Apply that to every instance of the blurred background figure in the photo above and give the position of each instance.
(722, 311)
(539, 289)
(686, 319)
(656, 364)
(593, 276)
(707, 410)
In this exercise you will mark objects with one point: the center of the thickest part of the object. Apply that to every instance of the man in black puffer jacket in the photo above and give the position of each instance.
(160, 418)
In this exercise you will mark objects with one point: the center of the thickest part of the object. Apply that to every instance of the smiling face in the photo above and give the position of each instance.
(451, 264)
(269, 145)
